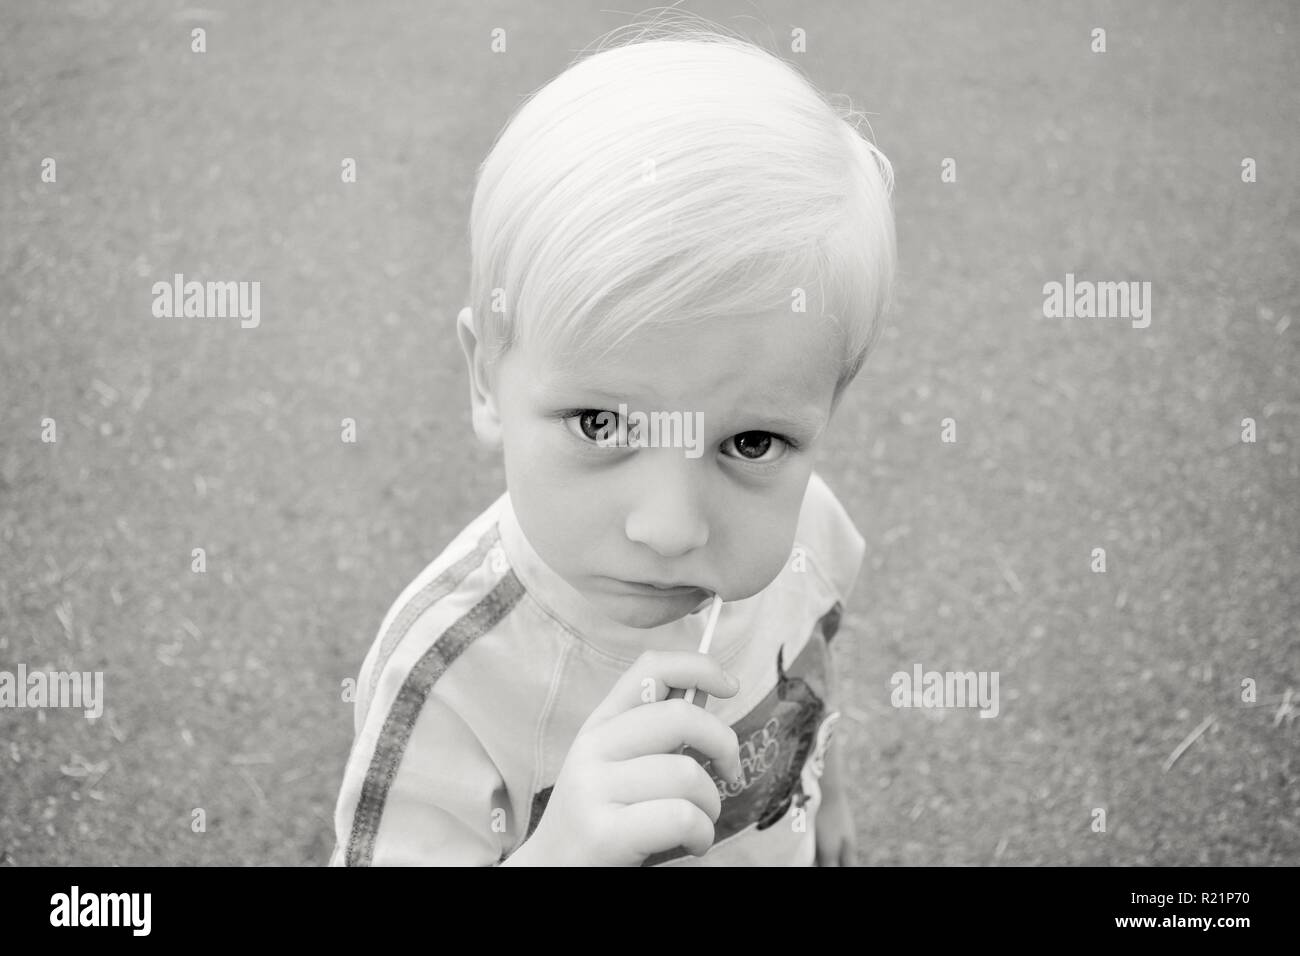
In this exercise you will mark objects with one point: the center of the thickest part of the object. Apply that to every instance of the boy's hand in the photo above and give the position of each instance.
(624, 792)
(833, 832)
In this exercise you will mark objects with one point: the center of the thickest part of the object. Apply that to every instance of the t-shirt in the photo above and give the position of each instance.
(489, 663)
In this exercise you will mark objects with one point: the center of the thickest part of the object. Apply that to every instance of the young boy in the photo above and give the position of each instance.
(681, 256)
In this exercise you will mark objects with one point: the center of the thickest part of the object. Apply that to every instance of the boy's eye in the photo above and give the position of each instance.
(755, 446)
(594, 425)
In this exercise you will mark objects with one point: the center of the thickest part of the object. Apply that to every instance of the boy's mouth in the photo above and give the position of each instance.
(664, 590)
(657, 605)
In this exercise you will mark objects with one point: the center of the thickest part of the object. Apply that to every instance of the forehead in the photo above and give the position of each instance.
(738, 361)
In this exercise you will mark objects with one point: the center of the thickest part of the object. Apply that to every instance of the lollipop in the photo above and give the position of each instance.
(694, 695)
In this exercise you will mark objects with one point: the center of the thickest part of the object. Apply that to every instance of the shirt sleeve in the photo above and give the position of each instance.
(836, 546)
(419, 789)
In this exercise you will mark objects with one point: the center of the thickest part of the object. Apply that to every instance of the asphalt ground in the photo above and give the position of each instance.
(222, 689)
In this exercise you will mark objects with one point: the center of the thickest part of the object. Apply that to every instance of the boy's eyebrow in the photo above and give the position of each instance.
(807, 421)
(563, 389)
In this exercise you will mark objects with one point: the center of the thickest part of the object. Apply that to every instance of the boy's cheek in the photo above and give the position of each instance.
(759, 564)
(535, 469)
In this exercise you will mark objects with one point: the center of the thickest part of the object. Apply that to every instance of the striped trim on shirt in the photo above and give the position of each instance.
(399, 723)
(427, 597)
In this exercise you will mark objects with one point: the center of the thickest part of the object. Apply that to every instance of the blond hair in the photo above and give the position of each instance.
(682, 176)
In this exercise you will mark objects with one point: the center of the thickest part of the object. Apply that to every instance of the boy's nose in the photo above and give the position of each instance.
(667, 515)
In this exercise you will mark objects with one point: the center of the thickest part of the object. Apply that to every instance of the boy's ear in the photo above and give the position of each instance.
(482, 402)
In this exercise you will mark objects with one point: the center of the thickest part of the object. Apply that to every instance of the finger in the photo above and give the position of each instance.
(665, 777)
(666, 727)
(659, 825)
(654, 673)
(701, 699)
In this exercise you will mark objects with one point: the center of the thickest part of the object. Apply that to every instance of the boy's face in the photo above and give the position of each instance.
(623, 523)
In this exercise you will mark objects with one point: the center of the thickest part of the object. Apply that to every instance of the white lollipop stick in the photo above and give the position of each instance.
(714, 609)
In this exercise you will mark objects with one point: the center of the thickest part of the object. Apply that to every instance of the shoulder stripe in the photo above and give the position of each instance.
(415, 690)
(426, 597)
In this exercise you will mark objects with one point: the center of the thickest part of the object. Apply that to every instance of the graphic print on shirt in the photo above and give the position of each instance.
(776, 737)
